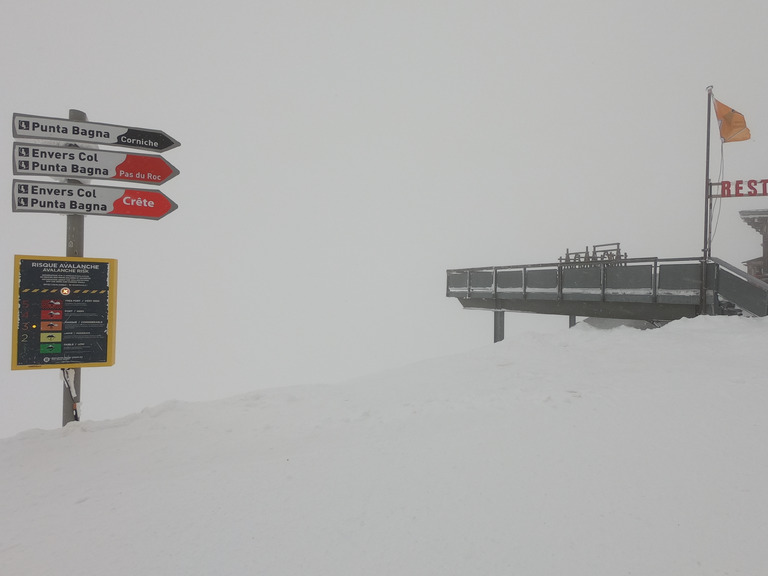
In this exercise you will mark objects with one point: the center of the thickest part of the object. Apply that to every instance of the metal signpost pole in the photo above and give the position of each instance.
(74, 157)
(75, 247)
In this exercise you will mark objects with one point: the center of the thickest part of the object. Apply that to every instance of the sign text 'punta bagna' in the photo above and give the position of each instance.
(42, 127)
(56, 161)
(53, 197)
(75, 156)
(65, 307)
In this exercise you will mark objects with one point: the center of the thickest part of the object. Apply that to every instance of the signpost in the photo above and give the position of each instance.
(66, 306)
(69, 162)
(34, 196)
(42, 127)
(65, 312)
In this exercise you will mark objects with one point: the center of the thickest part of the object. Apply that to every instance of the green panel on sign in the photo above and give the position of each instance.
(50, 348)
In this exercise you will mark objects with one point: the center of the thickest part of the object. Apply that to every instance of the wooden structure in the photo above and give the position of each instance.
(758, 220)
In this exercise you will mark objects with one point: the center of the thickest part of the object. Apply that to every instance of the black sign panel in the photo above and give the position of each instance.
(66, 311)
(43, 127)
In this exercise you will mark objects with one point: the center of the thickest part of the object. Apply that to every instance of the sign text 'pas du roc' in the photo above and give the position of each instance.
(76, 157)
(55, 161)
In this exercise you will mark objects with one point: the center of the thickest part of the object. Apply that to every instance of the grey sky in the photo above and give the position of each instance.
(337, 157)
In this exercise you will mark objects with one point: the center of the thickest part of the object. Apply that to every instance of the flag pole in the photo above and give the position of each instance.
(707, 223)
(707, 251)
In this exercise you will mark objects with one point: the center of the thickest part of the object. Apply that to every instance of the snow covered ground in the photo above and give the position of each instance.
(586, 452)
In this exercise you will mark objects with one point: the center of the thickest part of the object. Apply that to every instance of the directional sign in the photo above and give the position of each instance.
(32, 196)
(77, 163)
(65, 312)
(26, 126)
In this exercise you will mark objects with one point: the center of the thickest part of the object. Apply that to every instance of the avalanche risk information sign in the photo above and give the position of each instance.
(65, 312)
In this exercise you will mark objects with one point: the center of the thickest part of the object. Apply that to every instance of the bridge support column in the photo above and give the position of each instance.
(498, 326)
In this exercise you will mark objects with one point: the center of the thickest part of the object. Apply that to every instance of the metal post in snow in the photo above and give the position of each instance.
(498, 326)
(75, 247)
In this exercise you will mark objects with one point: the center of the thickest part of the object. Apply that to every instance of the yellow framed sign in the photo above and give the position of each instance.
(64, 312)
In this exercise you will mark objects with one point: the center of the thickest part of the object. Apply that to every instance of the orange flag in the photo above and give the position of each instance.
(733, 126)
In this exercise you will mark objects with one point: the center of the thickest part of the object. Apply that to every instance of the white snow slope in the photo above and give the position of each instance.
(587, 452)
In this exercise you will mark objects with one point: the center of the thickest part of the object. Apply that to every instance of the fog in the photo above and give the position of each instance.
(336, 158)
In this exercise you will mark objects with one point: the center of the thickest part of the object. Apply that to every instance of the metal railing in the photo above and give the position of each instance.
(745, 291)
(639, 280)
(559, 279)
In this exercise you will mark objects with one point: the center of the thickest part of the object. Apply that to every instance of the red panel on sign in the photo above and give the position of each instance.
(144, 168)
(51, 315)
(142, 203)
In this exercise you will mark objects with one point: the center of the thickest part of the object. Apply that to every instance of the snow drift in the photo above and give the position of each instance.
(587, 452)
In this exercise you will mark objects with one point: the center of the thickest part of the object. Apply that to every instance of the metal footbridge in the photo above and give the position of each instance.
(651, 289)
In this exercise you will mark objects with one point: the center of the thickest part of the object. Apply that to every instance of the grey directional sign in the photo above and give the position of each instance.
(58, 198)
(27, 126)
(76, 163)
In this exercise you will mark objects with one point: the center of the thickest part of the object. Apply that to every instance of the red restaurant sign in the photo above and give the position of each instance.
(736, 188)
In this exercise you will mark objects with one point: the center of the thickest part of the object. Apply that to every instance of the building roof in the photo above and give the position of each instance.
(757, 219)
